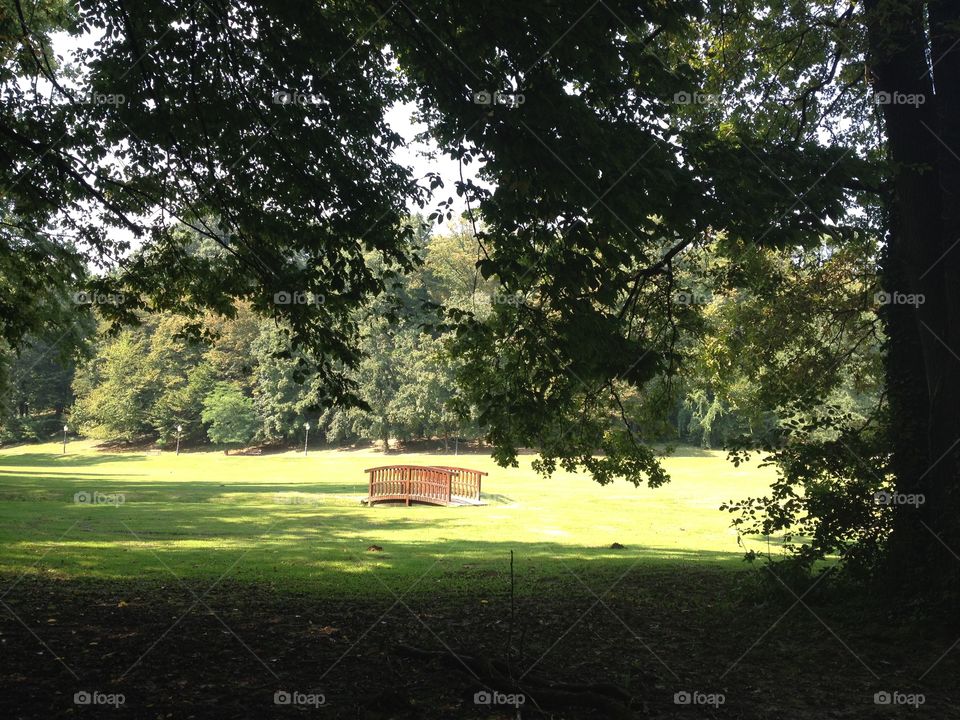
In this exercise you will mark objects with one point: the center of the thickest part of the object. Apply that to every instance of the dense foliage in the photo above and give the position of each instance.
(245, 380)
(813, 320)
(225, 169)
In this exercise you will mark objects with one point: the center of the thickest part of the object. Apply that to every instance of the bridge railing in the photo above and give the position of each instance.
(439, 485)
(465, 482)
(410, 483)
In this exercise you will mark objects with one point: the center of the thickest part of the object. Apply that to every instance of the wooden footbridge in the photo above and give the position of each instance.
(436, 485)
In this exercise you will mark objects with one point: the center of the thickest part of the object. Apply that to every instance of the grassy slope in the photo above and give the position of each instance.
(297, 521)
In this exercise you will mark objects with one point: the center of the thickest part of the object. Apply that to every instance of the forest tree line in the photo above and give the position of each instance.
(238, 378)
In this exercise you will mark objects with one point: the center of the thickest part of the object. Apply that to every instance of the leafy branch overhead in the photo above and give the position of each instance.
(687, 212)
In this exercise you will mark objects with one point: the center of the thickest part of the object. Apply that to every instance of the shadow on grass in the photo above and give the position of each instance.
(323, 547)
(313, 533)
(171, 491)
(495, 498)
(662, 627)
(65, 461)
(43, 485)
(687, 451)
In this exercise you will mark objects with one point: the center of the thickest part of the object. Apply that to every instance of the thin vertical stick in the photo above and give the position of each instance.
(509, 652)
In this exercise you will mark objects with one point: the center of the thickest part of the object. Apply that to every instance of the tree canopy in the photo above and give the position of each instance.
(196, 160)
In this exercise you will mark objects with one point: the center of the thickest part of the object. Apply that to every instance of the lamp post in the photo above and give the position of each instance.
(65, 428)
(179, 430)
(306, 437)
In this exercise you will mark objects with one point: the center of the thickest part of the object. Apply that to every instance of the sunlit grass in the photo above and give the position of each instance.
(298, 521)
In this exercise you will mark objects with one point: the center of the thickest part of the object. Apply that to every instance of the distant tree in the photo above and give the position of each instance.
(231, 415)
(407, 377)
(286, 389)
(182, 405)
(40, 378)
(380, 377)
(231, 338)
(176, 376)
(39, 388)
(423, 405)
(450, 271)
(113, 390)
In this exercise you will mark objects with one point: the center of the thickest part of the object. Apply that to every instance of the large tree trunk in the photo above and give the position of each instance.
(923, 371)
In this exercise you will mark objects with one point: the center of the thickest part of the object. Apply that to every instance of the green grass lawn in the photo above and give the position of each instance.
(297, 521)
(220, 580)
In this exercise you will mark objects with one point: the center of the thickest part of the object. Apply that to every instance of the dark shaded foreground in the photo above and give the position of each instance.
(663, 636)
